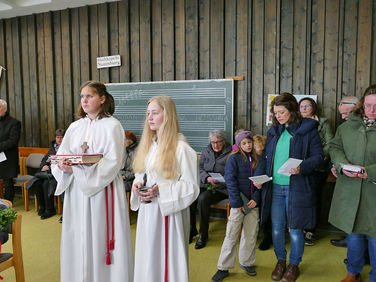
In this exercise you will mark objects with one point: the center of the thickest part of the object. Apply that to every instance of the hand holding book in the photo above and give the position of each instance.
(86, 159)
(354, 171)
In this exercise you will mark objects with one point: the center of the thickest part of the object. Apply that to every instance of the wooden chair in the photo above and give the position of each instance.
(33, 161)
(58, 201)
(26, 151)
(14, 259)
(222, 205)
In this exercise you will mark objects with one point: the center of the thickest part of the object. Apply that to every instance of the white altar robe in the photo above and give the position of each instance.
(175, 197)
(84, 235)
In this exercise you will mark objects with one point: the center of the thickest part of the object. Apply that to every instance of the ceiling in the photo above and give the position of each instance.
(15, 8)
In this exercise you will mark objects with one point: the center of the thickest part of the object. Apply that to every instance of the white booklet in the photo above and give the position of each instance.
(217, 176)
(289, 164)
(260, 179)
(2, 157)
(352, 168)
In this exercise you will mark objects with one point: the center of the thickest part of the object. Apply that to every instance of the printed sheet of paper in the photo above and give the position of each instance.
(2, 157)
(261, 179)
(217, 176)
(290, 163)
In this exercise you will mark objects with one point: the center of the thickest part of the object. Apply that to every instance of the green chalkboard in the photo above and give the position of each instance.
(202, 105)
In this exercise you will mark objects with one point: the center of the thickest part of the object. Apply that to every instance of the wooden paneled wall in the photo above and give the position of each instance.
(322, 47)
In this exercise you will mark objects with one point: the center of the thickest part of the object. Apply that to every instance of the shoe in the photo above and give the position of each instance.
(47, 215)
(265, 244)
(339, 242)
(41, 212)
(61, 219)
(220, 275)
(309, 238)
(279, 270)
(201, 242)
(291, 274)
(250, 270)
(192, 234)
(352, 278)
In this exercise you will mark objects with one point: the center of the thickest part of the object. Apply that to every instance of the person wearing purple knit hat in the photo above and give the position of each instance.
(244, 199)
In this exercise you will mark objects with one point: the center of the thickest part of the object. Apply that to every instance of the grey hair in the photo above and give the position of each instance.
(3, 104)
(350, 99)
(217, 133)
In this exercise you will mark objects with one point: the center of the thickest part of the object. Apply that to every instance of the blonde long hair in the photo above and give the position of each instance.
(167, 137)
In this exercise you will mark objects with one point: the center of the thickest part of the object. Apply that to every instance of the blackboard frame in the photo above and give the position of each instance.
(202, 105)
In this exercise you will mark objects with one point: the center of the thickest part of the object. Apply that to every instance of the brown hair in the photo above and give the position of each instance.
(107, 108)
(260, 139)
(59, 132)
(130, 136)
(289, 102)
(359, 109)
(315, 111)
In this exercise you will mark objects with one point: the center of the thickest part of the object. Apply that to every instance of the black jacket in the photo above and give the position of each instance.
(10, 131)
(209, 162)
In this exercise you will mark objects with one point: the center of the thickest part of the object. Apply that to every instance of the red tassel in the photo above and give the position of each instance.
(112, 245)
(108, 259)
(1, 278)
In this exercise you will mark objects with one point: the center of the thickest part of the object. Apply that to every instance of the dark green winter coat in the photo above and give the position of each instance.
(353, 207)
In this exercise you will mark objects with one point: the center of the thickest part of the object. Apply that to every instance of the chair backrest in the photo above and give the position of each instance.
(10, 204)
(34, 160)
(16, 260)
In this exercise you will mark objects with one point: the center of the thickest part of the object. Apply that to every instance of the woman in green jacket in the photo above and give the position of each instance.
(353, 207)
(308, 109)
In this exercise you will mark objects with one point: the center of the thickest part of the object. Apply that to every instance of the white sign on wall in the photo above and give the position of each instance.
(108, 61)
(1, 70)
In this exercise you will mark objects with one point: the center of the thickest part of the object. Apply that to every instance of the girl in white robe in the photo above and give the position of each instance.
(86, 253)
(170, 168)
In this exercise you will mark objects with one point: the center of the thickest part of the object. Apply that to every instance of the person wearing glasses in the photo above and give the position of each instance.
(353, 206)
(346, 106)
(308, 109)
(213, 159)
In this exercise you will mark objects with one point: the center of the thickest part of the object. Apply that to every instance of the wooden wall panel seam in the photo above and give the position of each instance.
(312, 46)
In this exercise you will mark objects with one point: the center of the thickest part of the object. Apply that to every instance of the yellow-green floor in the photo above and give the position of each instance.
(41, 243)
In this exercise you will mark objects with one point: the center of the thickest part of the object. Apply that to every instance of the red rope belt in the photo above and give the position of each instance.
(166, 249)
(110, 244)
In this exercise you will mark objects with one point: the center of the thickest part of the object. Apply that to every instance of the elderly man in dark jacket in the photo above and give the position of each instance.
(213, 159)
(10, 130)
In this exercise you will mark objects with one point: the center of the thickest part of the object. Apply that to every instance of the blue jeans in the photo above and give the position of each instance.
(356, 248)
(279, 213)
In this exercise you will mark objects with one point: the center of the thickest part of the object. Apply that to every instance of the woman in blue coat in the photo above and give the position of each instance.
(289, 199)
